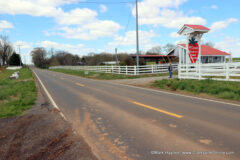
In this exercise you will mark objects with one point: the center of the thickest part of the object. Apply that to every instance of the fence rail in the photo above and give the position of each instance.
(128, 70)
(215, 71)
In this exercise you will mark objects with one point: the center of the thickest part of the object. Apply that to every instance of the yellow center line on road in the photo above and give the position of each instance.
(79, 84)
(156, 109)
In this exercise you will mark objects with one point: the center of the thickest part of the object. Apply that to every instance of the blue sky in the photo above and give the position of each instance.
(81, 28)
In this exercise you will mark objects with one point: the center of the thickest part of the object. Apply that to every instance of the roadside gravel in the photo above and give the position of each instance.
(39, 134)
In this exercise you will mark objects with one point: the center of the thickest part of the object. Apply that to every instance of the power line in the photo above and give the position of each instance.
(126, 29)
(120, 2)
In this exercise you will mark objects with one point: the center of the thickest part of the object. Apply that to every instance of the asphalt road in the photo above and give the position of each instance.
(124, 122)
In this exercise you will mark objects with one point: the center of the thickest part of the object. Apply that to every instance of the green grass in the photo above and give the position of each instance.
(104, 76)
(234, 59)
(220, 89)
(16, 96)
(151, 63)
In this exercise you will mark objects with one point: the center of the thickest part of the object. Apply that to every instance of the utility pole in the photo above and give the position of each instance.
(52, 52)
(116, 51)
(25, 62)
(137, 38)
(19, 52)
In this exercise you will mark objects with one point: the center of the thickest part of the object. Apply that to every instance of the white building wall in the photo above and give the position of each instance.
(205, 59)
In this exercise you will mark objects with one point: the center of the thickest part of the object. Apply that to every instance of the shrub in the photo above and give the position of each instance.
(15, 60)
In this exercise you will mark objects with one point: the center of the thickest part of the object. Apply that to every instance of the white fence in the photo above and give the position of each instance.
(128, 70)
(215, 71)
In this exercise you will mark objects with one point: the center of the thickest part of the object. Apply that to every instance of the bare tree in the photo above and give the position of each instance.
(54, 61)
(157, 50)
(168, 47)
(64, 58)
(210, 44)
(6, 50)
(39, 57)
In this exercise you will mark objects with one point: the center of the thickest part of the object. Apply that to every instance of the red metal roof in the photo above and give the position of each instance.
(208, 51)
(197, 27)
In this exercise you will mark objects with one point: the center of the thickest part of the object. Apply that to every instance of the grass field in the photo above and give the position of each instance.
(16, 96)
(104, 76)
(220, 89)
(234, 59)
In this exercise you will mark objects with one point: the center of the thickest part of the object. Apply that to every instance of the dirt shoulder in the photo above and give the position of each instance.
(41, 133)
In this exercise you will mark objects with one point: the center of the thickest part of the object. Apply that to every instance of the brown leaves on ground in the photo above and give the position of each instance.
(41, 134)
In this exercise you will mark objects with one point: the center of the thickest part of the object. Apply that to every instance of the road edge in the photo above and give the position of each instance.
(49, 95)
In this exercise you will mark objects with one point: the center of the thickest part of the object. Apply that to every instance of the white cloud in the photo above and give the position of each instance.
(58, 46)
(222, 24)
(175, 35)
(230, 45)
(89, 31)
(164, 4)
(155, 12)
(22, 44)
(103, 8)
(34, 7)
(214, 7)
(78, 49)
(79, 23)
(84, 24)
(76, 17)
(5, 25)
(129, 39)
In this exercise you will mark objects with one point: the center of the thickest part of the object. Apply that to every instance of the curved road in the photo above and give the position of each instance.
(124, 122)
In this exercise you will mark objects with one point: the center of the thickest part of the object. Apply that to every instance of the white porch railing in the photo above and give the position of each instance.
(215, 71)
(128, 70)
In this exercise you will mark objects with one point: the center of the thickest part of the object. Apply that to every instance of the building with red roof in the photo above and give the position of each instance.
(193, 51)
(188, 29)
(196, 27)
(208, 54)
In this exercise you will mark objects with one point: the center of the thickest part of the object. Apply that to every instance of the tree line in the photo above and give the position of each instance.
(44, 59)
(8, 56)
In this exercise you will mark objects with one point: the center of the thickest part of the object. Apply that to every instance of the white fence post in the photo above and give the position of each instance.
(227, 71)
(152, 69)
(119, 71)
(112, 68)
(126, 70)
(199, 71)
(179, 71)
(135, 70)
